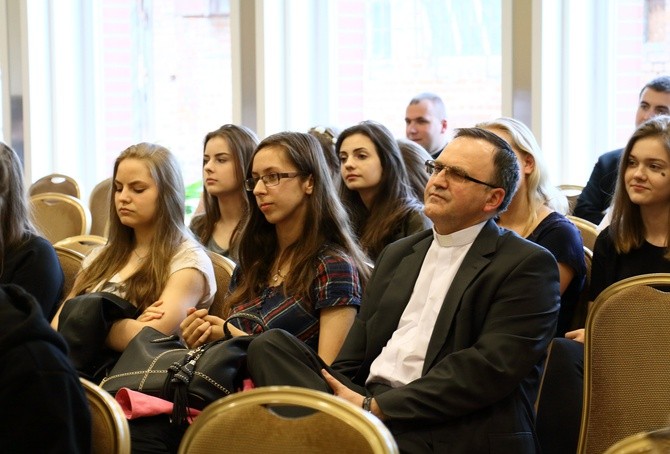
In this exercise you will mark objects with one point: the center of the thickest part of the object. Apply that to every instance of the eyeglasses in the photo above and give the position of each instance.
(271, 179)
(453, 173)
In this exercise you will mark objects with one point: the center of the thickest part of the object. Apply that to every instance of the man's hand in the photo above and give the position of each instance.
(351, 396)
(576, 335)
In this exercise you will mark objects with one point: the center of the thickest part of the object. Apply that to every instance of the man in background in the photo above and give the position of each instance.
(597, 194)
(426, 123)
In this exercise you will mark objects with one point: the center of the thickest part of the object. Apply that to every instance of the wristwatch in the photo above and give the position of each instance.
(366, 403)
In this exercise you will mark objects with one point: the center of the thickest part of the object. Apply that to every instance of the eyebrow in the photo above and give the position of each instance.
(131, 183)
(354, 150)
(271, 169)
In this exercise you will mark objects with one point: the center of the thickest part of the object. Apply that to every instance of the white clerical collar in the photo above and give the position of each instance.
(460, 238)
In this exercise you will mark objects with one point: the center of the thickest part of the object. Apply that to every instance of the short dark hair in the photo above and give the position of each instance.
(505, 164)
(432, 97)
(661, 83)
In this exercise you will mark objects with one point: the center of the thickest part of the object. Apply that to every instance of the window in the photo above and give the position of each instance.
(449, 47)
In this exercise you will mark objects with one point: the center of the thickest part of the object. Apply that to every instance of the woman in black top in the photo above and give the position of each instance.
(26, 259)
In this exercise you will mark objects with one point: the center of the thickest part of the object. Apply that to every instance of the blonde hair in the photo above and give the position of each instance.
(146, 284)
(540, 190)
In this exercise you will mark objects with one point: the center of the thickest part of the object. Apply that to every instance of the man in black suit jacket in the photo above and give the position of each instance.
(453, 324)
(597, 194)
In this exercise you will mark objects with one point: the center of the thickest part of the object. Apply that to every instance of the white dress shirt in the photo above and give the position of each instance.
(401, 360)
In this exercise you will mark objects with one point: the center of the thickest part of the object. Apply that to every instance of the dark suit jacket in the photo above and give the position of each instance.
(481, 370)
(596, 196)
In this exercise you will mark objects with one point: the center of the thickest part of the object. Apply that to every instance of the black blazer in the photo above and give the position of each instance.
(482, 365)
(596, 196)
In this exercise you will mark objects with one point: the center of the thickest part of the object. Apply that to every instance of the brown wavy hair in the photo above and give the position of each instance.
(242, 142)
(395, 199)
(626, 227)
(326, 223)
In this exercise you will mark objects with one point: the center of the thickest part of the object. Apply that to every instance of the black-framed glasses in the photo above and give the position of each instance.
(453, 173)
(271, 179)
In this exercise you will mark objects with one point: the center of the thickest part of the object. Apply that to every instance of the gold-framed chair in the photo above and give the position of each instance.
(98, 204)
(654, 442)
(82, 243)
(588, 230)
(243, 423)
(571, 191)
(110, 430)
(626, 362)
(223, 271)
(56, 182)
(59, 216)
(70, 261)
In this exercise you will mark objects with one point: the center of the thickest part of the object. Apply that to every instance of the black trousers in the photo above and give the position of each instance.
(559, 410)
(278, 358)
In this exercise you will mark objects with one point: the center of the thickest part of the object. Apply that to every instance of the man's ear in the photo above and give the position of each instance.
(494, 199)
(444, 126)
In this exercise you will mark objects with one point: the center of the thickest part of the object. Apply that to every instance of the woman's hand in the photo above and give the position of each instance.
(199, 327)
(576, 335)
(153, 312)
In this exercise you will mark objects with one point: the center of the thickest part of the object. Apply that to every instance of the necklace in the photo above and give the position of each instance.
(277, 275)
(139, 256)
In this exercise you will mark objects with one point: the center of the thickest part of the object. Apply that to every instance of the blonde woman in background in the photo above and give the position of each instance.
(537, 213)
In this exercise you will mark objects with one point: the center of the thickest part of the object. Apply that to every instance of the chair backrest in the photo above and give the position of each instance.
(82, 243)
(59, 216)
(98, 203)
(223, 271)
(242, 422)
(582, 307)
(70, 262)
(56, 182)
(111, 434)
(654, 442)
(571, 191)
(588, 230)
(626, 362)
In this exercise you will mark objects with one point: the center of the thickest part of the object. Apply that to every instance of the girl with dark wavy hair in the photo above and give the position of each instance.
(376, 187)
(300, 268)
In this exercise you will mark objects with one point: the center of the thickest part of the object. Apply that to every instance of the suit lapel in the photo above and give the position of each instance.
(476, 259)
(398, 292)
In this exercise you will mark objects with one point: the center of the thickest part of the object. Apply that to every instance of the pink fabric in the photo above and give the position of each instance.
(136, 405)
(247, 384)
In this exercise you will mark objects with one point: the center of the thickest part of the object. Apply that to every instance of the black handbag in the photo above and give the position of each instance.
(84, 323)
(162, 366)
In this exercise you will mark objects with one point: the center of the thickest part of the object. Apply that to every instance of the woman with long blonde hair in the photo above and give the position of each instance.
(150, 258)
